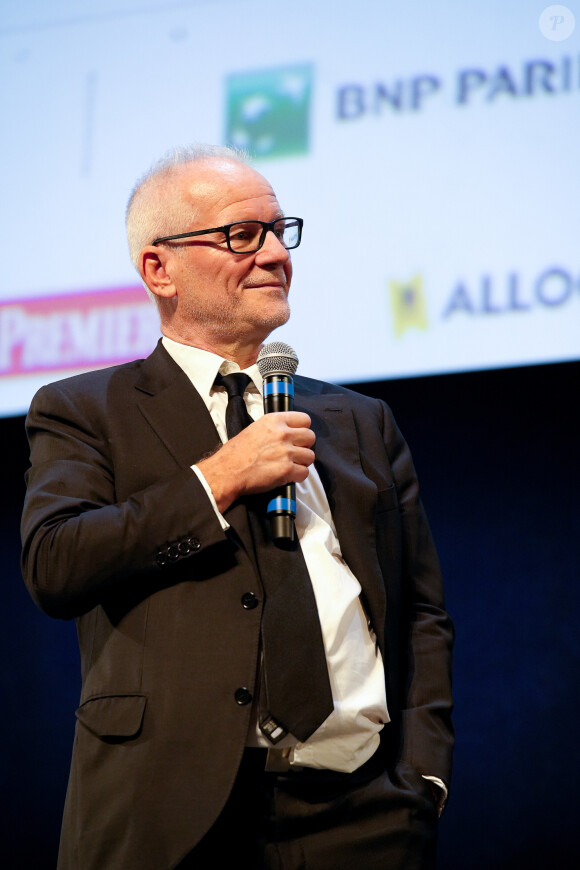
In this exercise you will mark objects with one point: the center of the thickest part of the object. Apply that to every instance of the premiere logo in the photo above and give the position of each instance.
(268, 111)
(76, 331)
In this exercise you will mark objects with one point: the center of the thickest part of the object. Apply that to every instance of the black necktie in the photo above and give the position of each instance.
(296, 694)
(235, 385)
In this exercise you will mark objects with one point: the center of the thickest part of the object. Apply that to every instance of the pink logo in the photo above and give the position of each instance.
(80, 330)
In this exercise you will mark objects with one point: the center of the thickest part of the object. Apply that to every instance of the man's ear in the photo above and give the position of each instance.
(152, 268)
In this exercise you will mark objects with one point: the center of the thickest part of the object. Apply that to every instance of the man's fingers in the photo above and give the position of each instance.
(289, 425)
(304, 456)
(296, 419)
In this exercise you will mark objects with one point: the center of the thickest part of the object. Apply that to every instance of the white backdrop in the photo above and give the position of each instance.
(431, 148)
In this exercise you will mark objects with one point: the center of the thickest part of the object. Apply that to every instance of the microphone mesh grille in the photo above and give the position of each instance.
(277, 357)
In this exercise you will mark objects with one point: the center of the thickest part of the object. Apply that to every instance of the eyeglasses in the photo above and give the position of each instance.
(247, 237)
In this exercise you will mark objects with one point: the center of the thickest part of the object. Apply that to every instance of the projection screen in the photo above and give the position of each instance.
(430, 147)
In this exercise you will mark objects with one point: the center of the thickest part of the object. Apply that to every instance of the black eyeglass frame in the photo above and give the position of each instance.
(266, 227)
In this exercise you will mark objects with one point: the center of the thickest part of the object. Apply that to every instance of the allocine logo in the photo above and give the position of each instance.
(512, 293)
(408, 306)
(268, 111)
(486, 295)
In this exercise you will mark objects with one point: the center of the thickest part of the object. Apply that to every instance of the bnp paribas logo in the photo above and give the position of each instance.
(268, 112)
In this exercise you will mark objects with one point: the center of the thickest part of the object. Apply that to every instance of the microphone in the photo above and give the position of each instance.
(277, 363)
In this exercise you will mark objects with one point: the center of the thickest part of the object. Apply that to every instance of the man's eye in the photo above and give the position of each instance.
(244, 237)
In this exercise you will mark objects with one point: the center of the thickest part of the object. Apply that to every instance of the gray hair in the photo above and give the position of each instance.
(151, 214)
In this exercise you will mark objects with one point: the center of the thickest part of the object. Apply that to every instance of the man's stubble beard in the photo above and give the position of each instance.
(225, 322)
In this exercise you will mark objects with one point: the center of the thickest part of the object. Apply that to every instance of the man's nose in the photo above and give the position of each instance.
(272, 250)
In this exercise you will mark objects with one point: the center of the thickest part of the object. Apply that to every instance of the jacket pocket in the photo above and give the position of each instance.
(113, 717)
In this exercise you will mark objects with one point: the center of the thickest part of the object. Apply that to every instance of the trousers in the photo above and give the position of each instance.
(312, 821)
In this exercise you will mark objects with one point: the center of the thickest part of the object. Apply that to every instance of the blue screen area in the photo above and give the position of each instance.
(431, 149)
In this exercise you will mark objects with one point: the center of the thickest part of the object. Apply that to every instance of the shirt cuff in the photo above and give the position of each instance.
(223, 522)
(442, 788)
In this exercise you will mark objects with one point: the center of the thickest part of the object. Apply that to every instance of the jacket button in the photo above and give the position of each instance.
(162, 558)
(194, 543)
(173, 552)
(249, 601)
(183, 548)
(243, 696)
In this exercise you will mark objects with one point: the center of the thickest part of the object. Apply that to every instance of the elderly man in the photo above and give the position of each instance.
(244, 704)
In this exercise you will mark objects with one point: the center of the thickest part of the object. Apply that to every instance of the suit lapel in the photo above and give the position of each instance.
(351, 494)
(174, 409)
(177, 413)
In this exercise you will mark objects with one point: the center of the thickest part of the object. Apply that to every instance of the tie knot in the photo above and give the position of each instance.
(237, 417)
(234, 384)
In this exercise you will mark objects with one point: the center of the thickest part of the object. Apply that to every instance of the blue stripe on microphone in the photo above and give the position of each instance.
(277, 388)
(281, 504)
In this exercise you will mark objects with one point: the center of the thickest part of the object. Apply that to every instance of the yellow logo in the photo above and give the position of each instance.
(408, 305)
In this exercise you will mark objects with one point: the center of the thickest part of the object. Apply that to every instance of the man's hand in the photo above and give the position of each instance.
(275, 450)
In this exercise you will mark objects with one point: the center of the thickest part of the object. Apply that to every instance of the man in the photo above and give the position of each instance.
(142, 521)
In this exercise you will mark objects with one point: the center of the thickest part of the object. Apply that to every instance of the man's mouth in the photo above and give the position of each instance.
(257, 286)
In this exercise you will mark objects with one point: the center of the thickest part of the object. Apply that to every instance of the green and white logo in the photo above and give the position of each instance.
(268, 111)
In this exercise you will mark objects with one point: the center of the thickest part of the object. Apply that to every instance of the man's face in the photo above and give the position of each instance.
(220, 295)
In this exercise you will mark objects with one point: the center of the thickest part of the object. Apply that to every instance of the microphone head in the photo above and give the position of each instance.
(277, 358)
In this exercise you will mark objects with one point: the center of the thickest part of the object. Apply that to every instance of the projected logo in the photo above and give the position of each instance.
(268, 112)
(408, 305)
(76, 331)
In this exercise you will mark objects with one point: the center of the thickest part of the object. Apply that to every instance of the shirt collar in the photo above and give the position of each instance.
(202, 366)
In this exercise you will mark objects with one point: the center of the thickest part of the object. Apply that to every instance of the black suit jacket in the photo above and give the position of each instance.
(119, 534)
